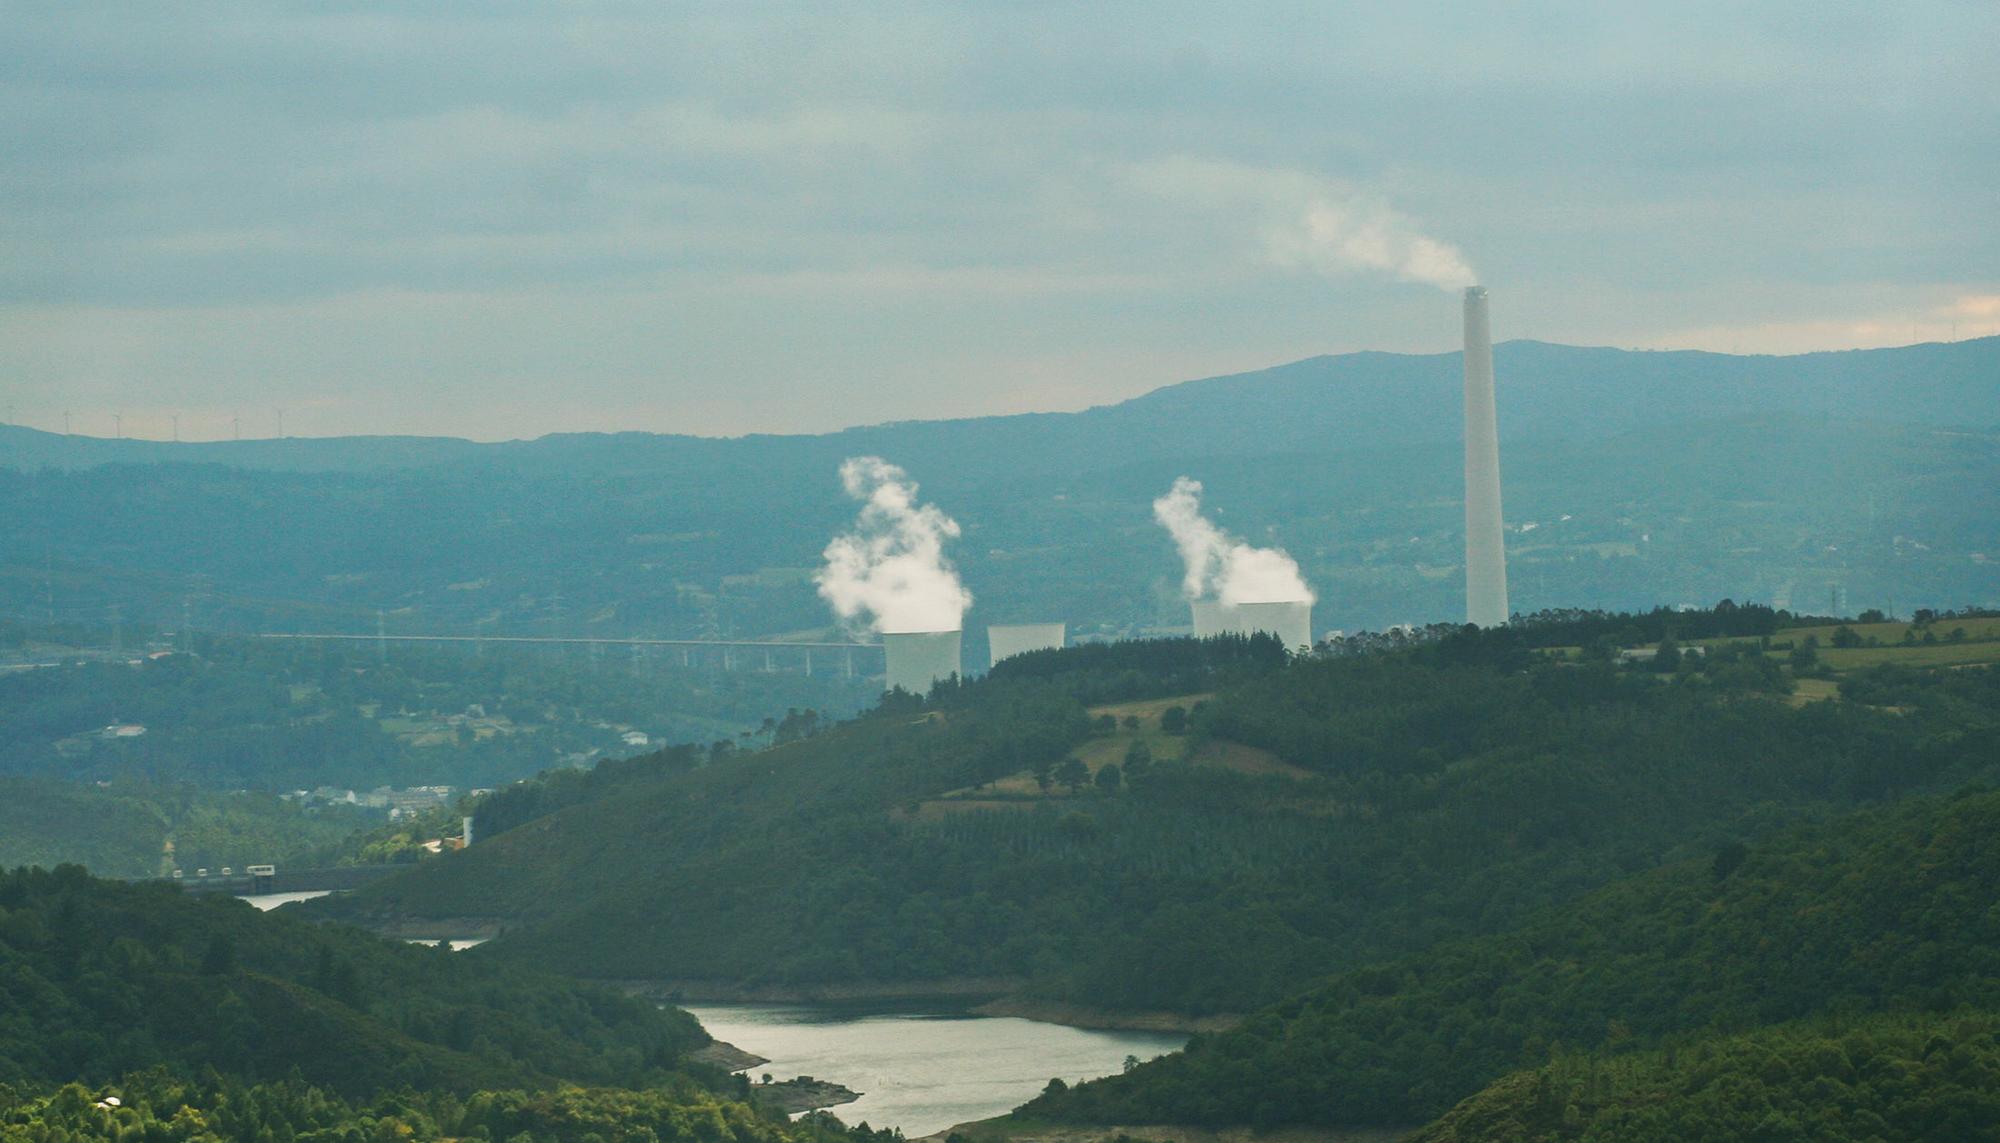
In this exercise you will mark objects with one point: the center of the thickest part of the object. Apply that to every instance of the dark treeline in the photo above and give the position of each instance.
(1596, 631)
(1577, 627)
(1132, 669)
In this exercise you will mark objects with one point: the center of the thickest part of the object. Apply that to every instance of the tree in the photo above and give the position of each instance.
(1045, 775)
(1072, 772)
(1805, 656)
(1173, 720)
(1108, 778)
(1668, 658)
(1728, 859)
(220, 955)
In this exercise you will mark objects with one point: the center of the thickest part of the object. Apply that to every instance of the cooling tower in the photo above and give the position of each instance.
(919, 658)
(1485, 548)
(1018, 639)
(1210, 619)
(1290, 622)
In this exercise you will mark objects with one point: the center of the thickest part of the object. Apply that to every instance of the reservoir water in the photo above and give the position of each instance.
(269, 901)
(924, 1072)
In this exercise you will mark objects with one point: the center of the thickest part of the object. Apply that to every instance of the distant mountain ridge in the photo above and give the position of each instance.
(1328, 402)
(1630, 479)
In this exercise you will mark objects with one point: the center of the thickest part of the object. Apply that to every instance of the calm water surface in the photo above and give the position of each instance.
(270, 901)
(924, 1072)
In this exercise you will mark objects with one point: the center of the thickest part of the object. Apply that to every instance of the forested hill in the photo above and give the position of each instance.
(139, 1012)
(100, 978)
(1146, 826)
(1915, 1076)
(1886, 910)
(1631, 478)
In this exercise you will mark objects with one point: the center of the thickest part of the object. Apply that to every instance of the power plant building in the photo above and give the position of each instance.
(1485, 542)
(919, 658)
(1007, 641)
(1291, 622)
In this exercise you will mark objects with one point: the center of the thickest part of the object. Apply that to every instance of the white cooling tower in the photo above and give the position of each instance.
(1485, 545)
(1010, 640)
(1211, 618)
(919, 658)
(1290, 622)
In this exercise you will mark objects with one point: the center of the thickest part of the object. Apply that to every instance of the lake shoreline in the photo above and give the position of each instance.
(1002, 1129)
(980, 996)
(1107, 1019)
(961, 992)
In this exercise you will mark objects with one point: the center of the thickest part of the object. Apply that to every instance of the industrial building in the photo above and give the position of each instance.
(919, 658)
(1008, 640)
(1290, 621)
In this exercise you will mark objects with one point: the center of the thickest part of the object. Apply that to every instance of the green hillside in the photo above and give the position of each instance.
(139, 1012)
(143, 830)
(1307, 818)
(99, 979)
(1886, 910)
(1890, 1078)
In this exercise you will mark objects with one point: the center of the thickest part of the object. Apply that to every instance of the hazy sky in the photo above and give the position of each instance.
(499, 220)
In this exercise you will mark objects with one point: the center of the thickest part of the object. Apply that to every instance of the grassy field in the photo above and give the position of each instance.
(1979, 644)
(1814, 690)
(1921, 655)
(1892, 631)
(1019, 791)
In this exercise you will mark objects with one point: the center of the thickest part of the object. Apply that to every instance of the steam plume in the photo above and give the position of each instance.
(1218, 562)
(892, 565)
(1334, 236)
(1307, 221)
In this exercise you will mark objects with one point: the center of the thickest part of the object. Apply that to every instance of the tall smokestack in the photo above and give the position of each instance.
(1485, 547)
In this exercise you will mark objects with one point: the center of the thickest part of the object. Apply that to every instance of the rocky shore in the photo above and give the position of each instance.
(803, 1093)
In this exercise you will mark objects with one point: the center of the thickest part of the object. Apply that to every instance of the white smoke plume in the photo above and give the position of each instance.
(1220, 563)
(1334, 235)
(891, 567)
(1306, 221)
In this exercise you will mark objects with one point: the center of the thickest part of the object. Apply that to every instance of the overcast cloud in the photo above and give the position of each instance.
(499, 220)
